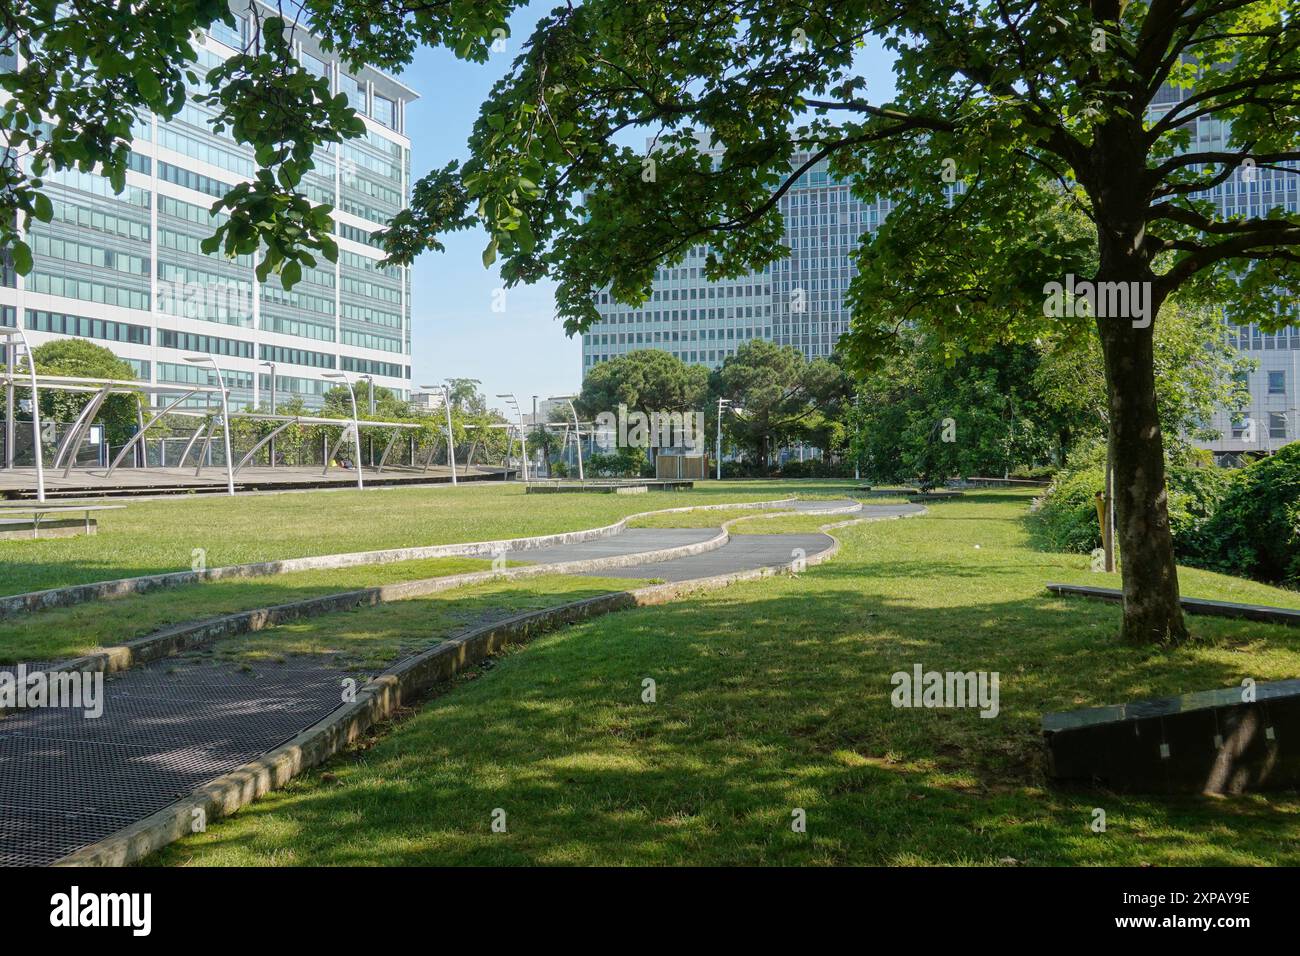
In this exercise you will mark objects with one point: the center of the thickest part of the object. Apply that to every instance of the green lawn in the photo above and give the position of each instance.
(774, 695)
(150, 537)
(85, 628)
(370, 638)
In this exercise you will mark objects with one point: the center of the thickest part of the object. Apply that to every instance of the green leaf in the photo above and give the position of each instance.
(22, 256)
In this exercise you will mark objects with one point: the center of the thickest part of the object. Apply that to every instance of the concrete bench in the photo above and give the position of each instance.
(38, 513)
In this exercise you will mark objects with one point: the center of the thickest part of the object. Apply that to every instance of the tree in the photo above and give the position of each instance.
(777, 393)
(1000, 110)
(1197, 370)
(646, 380)
(929, 414)
(388, 405)
(82, 359)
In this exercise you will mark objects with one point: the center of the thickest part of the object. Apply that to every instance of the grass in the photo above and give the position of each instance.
(370, 638)
(774, 695)
(150, 537)
(85, 628)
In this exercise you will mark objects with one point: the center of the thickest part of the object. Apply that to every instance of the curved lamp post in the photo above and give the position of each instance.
(523, 440)
(271, 366)
(356, 425)
(451, 442)
(577, 431)
(722, 403)
(225, 415)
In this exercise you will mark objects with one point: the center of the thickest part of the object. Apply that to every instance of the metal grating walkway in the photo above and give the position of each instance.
(168, 727)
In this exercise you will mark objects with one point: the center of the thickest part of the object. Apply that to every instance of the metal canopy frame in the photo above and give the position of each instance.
(66, 453)
(284, 421)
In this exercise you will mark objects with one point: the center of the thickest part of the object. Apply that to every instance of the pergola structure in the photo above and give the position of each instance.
(169, 399)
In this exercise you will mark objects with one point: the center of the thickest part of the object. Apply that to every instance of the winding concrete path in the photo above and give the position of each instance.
(170, 726)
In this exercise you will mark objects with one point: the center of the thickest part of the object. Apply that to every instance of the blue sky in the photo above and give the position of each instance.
(455, 331)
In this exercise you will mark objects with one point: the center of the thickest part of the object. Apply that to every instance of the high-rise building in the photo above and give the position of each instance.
(797, 301)
(1270, 419)
(125, 270)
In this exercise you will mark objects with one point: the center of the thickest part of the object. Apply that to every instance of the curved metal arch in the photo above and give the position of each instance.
(140, 434)
(271, 437)
(72, 440)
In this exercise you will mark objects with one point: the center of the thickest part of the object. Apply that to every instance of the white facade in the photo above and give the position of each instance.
(798, 301)
(125, 271)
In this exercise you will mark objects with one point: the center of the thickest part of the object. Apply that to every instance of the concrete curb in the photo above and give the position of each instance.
(16, 604)
(377, 701)
(1263, 613)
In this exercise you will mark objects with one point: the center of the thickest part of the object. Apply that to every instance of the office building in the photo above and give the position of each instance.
(126, 271)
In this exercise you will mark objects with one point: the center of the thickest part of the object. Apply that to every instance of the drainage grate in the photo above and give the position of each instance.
(166, 729)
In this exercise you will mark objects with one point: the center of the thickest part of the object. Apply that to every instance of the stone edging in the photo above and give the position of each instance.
(15, 604)
(171, 640)
(376, 701)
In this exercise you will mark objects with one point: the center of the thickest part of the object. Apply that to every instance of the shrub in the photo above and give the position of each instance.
(1255, 531)
(625, 463)
(1034, 472)
(1068, 510)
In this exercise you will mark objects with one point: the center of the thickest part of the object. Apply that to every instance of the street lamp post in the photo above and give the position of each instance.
(722, 403)
(577, 431)
(370, 405)
(225, 415)
(271, 366)
(523, 440)
(356, 425)
(451, 442)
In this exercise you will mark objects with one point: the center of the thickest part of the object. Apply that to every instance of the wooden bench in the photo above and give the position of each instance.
(38, 513)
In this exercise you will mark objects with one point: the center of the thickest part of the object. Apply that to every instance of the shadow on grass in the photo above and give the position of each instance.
(764, 703)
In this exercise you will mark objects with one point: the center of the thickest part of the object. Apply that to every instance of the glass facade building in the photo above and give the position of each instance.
(797, 301)
(126, 271)
(1270, 419)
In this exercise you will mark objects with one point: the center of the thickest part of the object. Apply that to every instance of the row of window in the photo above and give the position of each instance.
(211, 344)
(372, 367)
(39, 320)
(278, 353)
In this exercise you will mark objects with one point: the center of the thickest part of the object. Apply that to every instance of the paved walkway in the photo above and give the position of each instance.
(173, 725)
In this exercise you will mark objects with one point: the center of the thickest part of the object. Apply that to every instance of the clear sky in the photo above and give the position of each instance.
(456, 333)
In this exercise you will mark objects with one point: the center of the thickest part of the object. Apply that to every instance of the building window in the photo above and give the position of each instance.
(1277, 425)
(1240, 426)
(384, 111)
(355, 90)
(87, 328)
(1277, 383)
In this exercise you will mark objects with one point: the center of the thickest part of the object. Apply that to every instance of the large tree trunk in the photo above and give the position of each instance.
(1152, 612)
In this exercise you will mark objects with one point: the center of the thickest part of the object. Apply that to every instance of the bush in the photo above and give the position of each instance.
(1034, 472)
(1255, 531)
(1068, 510)
(625, 463)
(816, 468)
